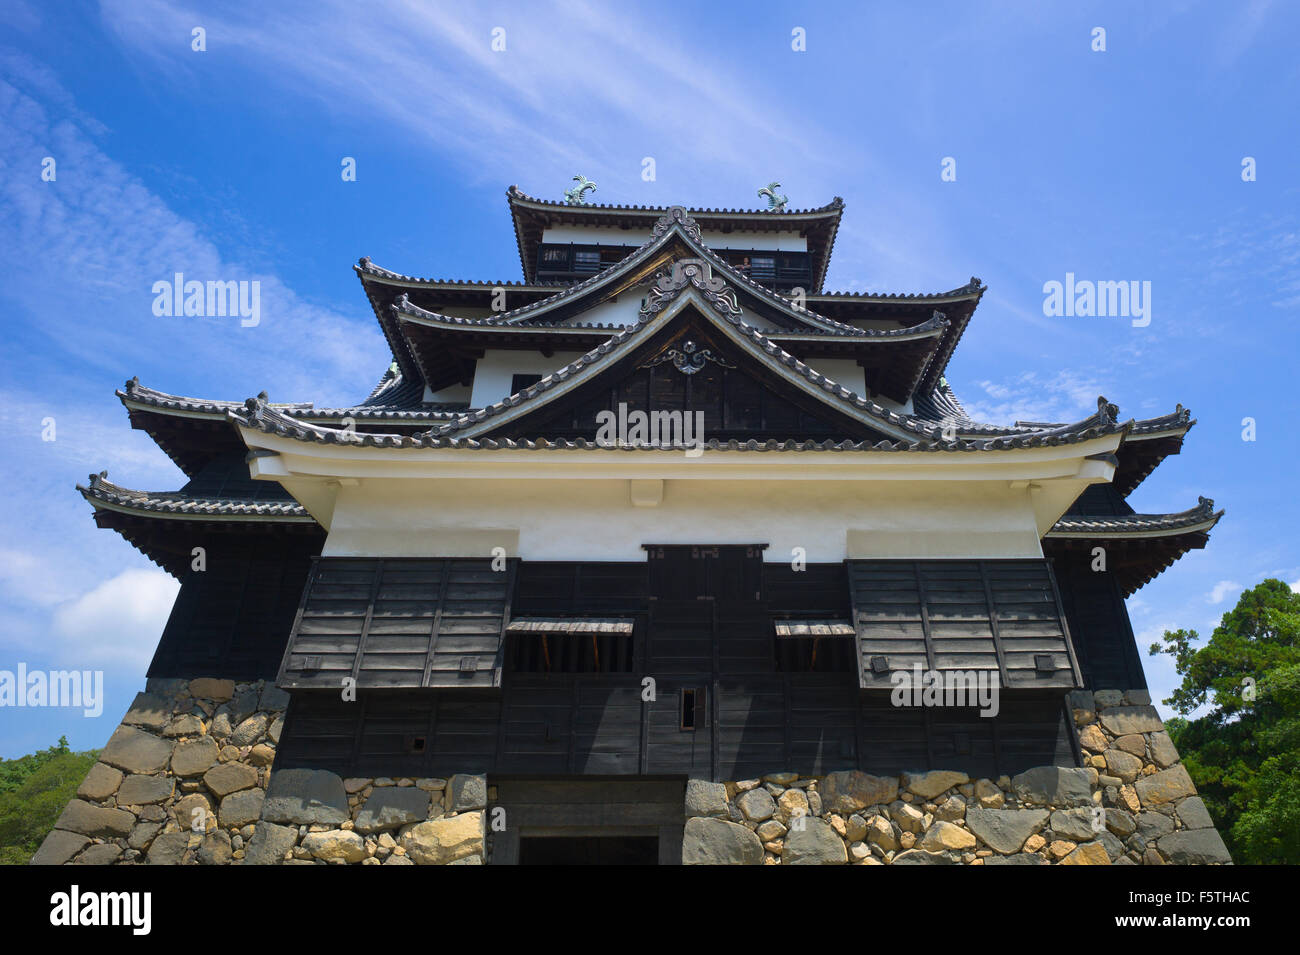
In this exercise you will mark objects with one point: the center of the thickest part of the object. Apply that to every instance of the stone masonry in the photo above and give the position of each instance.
(187, 779)
(1132, 803)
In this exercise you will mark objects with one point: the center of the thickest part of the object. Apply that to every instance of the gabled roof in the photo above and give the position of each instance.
(532, 216)
(715, 299)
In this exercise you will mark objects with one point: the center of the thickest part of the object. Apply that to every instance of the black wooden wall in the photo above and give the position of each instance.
(232, 619)
(581, 727)
(703, 623)
(1103, 636)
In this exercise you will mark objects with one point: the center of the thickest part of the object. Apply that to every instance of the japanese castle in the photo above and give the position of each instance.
(666, 520)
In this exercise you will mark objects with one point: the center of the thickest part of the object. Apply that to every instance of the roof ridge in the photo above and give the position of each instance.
(514, 193)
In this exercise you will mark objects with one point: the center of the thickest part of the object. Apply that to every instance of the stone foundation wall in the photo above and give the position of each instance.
(182, 779)
(187, 779)
(1132, 803)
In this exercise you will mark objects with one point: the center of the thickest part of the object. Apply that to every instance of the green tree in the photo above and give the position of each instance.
(33, 791)
(1244, 752)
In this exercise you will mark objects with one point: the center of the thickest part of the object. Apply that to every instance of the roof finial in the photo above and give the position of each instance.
(574, 196)
(775, 201)
(1106, 411)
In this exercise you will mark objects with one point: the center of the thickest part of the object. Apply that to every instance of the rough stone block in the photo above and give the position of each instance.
(60, 846)
(718, 842)
(149, 711)
(100, 783)
(814, 843)
(1166, 786)
(206, 688)
(1005, 830)
(757, 805)
(142, 790)
(704, 798)
(193, 757)
(1193, 813)
(465, 791)
(850, 790)
(1123, 720)
(269, 844)
(306, 797)
(101, 823)
(1054, 786)
(446, 840)
(391, 808)
(135, 751)
(1195, 847)
(241, 808)
(229, 778)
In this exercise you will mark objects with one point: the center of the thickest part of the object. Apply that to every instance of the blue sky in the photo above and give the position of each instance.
(1123, 164)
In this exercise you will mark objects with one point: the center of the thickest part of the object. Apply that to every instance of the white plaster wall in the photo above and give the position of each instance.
(594, 519)
(494, 370)
(454, 393)
(845, 371)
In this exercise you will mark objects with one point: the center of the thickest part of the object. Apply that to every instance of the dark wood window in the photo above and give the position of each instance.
(586, 260)
(519, 382)
(762, 268)
(580, 652)
(692, 708)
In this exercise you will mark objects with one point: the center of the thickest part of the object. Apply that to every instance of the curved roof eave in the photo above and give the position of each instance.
(1199, 519)
(102, 493)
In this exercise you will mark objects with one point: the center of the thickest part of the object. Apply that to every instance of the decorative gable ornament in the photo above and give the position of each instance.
(686, 273)
(677, 215)
(689, 359)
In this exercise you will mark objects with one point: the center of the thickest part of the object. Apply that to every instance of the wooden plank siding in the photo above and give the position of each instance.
(595, 730)
(399, 623)
(948, 615)
(1109, 658)
(232, 619)
(702, 621)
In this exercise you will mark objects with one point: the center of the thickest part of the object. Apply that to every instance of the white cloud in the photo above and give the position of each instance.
(101, 238)
(1065, 396)
(1222, 590)
(117, 622)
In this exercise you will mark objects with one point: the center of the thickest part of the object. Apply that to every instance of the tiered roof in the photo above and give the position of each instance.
(905, 359)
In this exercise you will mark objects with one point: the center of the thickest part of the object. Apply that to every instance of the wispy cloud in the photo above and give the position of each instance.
(1222, 590)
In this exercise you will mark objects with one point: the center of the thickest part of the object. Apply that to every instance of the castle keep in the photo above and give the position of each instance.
(625, 562)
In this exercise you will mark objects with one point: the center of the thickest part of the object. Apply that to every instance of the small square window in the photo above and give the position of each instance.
(519, 382)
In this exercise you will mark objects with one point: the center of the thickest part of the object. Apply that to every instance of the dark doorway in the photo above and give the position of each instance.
(589, 850)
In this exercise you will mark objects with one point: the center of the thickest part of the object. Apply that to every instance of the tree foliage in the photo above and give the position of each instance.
(33, 791)
(1243, 752)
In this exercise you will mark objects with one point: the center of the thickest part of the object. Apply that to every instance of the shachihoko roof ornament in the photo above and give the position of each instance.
(775, 201)
(575, 196)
